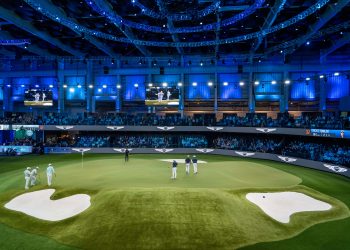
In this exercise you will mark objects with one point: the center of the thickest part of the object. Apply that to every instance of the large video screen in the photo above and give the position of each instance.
(162, 96)
(38, 97)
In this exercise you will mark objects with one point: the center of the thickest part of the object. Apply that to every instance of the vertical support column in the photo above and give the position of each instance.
(216, 92)
(251, 98)
(323, 96)
(7, 102)
(118, 102)
(60, 83)
(285, 93)
(89, 80)
(182, 95)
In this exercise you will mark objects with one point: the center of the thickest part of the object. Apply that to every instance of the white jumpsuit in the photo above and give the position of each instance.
(27, 178)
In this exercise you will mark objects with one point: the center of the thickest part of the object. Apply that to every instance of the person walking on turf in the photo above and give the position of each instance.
(33, 176)
(173, 170)
(50, 171)
(194, 163)
(127, 155)
(27, 177)
(188, 163)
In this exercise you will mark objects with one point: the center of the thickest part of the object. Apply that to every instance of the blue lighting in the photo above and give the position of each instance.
(132, 93)
(200, 90)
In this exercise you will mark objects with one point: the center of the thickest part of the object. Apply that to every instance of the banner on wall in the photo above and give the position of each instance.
(328, 133)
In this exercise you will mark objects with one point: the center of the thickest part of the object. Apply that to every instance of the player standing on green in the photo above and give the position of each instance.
(194, 163)
(173, 170)
(188, 163)
(50, 171)
(127, 155)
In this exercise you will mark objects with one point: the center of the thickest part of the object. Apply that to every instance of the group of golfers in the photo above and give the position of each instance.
(188, 162)
(31, 176)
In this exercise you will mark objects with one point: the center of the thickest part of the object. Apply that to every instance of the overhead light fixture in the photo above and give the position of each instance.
(65, 86)
(22, 85)
(241, 83)
(136, 85)
(50, 86)
(194, 84)
(225, 83)
(37, 86)
(71, 90)
(150, 85)
(321, 76)
(256, 82)
(307, 78)
(307, 43)
(8, 85)
(210, 84)
(336, 74)
(201, 63)
(104, 86)
(287, 81)
(164, 84)
(179, 84)
(91, 86)
(79, 86)
(119, 86)
(99, 90)
(273, 82)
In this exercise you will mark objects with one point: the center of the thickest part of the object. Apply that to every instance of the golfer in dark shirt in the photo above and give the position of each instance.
(126, 155)
(188, 162)
(173, 170)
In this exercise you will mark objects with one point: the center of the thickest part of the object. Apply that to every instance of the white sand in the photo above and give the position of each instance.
(39, 205)
(179, 160)
(280, 206)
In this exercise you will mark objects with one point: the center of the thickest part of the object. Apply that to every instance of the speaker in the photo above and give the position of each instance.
(240, 69)
(106, 70)
(161, 70)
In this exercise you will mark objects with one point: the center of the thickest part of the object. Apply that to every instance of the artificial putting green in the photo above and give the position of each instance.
(136, 205)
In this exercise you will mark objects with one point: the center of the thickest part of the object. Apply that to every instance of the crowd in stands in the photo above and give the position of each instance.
(139, 141)
(312, 120)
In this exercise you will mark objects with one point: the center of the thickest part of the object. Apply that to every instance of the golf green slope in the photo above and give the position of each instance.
(136, 205)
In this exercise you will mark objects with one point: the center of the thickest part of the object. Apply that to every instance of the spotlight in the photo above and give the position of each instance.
(164, 84)
(273, 82)
(321, 76)
(307, 78)
(179, 84)
(8, 85)
(210, 84)
(336, 74)
(150, 85)
(119, 86)
(287, 81)
(256, 82)
(112, 62)
(307, 43)
(201, 63)
(225, 83)
(50, 86)
(169, 62)
(136, 85)
(194, 84)
(241, 83)
(79, 86)
(36, 85)
(104, 86)
(65, 86)
(91, 86)
(99, 90)
(71, 90)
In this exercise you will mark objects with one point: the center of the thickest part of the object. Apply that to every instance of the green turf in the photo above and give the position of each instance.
(137, 206)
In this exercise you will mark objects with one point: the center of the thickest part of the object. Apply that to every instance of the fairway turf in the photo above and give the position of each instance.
(136, 205)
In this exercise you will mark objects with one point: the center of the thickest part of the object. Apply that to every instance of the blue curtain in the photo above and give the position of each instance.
(111, 83)
(172, 80)
(17, 90)
(337, 87)
(301, 89)
(232, 90)
(131, 93)
(72, 91)
(202, 90)
(267, 91)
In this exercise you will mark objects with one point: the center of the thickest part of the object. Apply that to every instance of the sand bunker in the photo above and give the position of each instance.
(39, 205)
(180, 160)
(280, 206)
